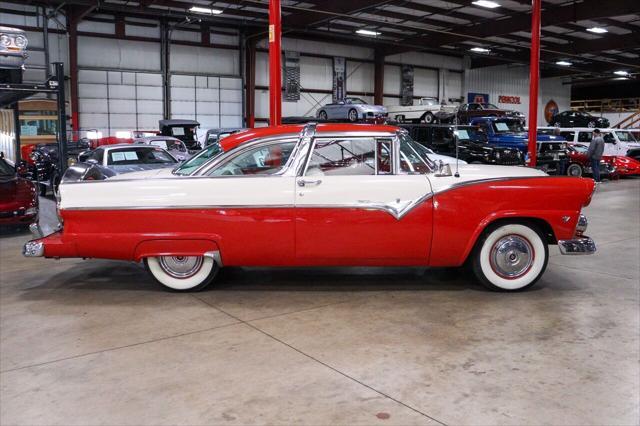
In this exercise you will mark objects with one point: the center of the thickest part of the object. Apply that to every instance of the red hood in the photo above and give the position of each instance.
(17, 192)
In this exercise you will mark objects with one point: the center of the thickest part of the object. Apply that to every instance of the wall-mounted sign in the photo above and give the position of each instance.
(550, 109)
(406, 85)
(291, 76)
(339, 79)
(502, 99)
(478, 98)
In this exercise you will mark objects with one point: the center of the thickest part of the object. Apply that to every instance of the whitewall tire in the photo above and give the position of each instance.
(574, 170)
(510, 257)
(182, 273)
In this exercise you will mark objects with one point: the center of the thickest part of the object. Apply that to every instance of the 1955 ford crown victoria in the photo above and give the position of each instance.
(325, 195)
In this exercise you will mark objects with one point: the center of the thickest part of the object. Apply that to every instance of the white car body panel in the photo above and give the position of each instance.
(619, 148)
(413, 112)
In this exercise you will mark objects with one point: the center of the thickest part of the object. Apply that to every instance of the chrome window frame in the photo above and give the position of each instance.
(302, 172)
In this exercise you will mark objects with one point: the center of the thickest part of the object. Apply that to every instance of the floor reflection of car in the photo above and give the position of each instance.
(174, 146)
(18, 196)
(111, 160)
(351, 109)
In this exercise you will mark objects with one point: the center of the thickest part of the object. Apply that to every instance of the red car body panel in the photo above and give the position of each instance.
(439, 232)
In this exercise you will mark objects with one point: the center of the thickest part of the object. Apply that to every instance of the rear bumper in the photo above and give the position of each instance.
(577, 246)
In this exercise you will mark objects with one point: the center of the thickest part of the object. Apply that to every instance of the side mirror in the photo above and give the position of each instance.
(92, 161)
(443, 170)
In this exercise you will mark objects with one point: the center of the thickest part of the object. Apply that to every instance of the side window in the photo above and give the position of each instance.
(335, 157)
(260, 160)
(584, 137)
(608, 138)
(569, 136)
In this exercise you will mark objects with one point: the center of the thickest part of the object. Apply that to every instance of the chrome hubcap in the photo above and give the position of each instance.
(181, 266)
(511, 256)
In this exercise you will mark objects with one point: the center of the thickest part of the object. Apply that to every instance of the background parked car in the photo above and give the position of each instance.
(18, 196)
(467, 112)
(580, 165)
(472, 145)
(173, 145)
(616, 141)
(208, 137)
(577, 119)
(111, 160)
(185, 130)
(424, 111)
(351, 109)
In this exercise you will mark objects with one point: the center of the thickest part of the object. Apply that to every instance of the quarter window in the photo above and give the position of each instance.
(333, 157)
(261, 160)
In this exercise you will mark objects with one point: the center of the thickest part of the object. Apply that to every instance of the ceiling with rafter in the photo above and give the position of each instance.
(451, 27)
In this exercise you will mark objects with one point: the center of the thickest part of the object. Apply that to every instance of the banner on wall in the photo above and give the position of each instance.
(550, 109)
(478, 98)
(339, 78)
(291, 76)
(406, 85)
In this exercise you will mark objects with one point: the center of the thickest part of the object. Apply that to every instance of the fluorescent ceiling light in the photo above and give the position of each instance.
(564, 63)
(486, 3)
(197, 9)
(597, 30)
(367, 32)
(480, 50)
(622, 73)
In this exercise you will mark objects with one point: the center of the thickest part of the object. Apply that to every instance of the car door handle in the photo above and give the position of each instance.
(303, 182)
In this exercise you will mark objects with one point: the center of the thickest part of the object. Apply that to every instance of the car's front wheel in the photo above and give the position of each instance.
(510, 257)
(574, 170)
(353, 115)
(183, 273)
(591, 124)
(428, 118)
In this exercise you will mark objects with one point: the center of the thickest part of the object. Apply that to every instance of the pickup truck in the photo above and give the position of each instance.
(508, 132)
(425, 111)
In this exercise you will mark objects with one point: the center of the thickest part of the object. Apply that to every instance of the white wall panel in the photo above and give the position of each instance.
(323, 48)
(182, 35)
(97, 27)
(193, 59)
(453, 85)
(315, 73)
(212, 101)
(112, 100)
(425, 82)
(360, 77)
(138, 31)
(97, 52)
(427, 60)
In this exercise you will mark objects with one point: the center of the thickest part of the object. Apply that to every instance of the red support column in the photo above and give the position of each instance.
(534, 80)
(275, 66)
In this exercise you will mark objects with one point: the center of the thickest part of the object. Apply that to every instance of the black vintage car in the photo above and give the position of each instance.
(552, 157)
(44, 168)
(185, 130)
(472, 145)
(578, 119)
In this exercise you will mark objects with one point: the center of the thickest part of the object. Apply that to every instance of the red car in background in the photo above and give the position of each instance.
(18, 197)
(610, 165)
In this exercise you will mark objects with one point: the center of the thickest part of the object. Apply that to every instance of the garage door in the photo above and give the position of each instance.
(212, 101)
(111, 101)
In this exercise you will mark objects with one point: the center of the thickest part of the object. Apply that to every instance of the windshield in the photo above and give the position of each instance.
(489, 106)
(625, 137)
(510, 126)
(470, 134)
(429, 101)
(578, 148)
(199, 159)
(356, 101)
(414, 158)
(6, 169)
(128, 156)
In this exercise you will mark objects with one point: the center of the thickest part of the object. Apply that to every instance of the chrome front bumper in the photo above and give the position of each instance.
(34, 248)
(581, 245)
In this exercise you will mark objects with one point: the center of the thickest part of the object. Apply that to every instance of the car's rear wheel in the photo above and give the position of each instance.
(510, 257)
(574, 170)
(353, 115)
(591, 124)
(182, 273)
(428, 118)
(322, 115)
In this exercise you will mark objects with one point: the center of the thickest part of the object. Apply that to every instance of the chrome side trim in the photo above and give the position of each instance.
(396, 209)
(33, 249)
(485, 180)
(215, 255)
(577, 246)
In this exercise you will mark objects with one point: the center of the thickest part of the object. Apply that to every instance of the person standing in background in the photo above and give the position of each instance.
(594, 153)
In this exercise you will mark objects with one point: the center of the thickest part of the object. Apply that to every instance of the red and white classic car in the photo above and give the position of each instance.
(325, 195)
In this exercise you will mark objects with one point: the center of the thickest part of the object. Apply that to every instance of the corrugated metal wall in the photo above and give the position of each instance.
(508, 80)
